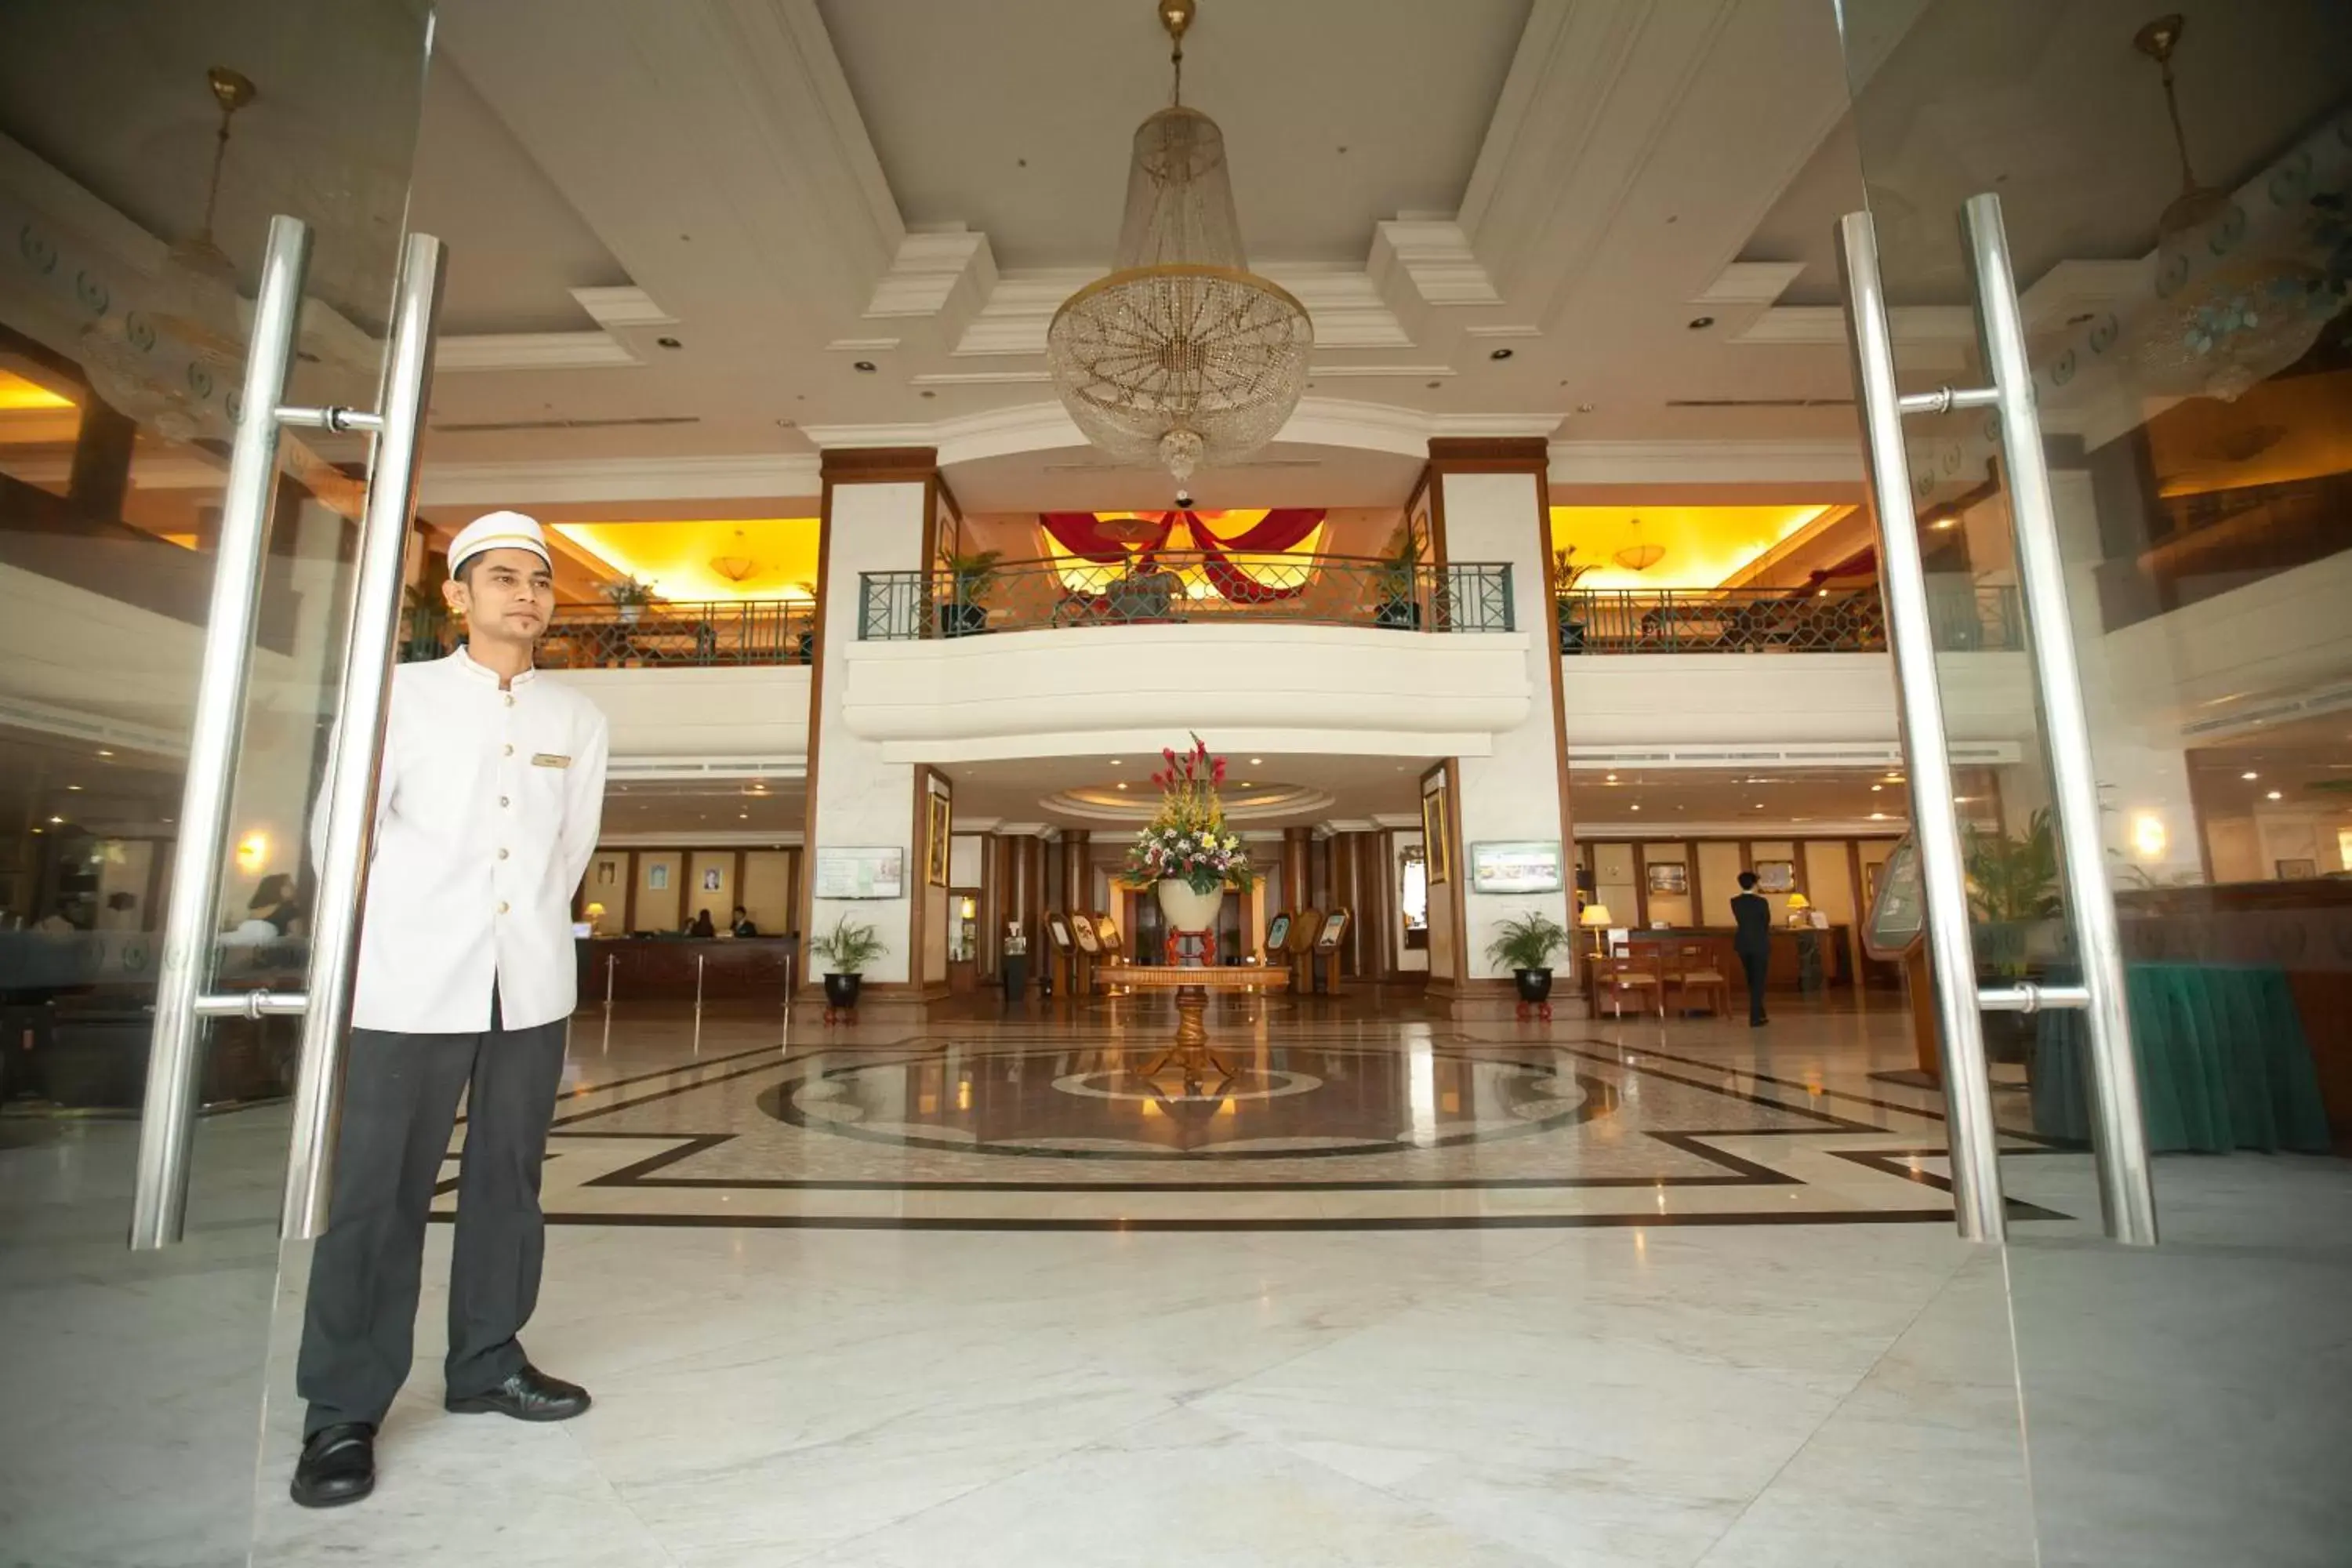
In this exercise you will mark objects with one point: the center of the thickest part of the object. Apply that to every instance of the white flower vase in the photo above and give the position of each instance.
(1188, 911)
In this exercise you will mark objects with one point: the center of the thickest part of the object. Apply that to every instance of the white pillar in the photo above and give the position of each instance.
(1488, 503)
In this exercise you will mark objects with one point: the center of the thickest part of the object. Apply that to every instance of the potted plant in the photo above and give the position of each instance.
(428, 620)
(630, 597)
(846, 949)
(1525, 946)
(2013, 894)
(1398, 607)
(1187, 854)
(1565, 575)
(970, 578)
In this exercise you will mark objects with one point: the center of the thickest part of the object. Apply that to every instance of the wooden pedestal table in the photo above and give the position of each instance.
(1191, 1051)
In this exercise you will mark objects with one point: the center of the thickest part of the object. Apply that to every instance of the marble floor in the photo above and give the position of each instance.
(1379, 1290)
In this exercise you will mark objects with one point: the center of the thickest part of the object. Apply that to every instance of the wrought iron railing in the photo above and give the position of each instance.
(1173, 587)
(657, 636)
(1773, 620)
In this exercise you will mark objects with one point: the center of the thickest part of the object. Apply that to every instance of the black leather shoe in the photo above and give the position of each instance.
(338, 1466)
(529, 1395)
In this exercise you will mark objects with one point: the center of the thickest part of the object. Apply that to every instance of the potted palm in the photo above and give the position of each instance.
(1187, 854)
(1398, 607)
(630, 597)
(1525, 946)
(2013, 895)
(970, 578)
(846, 949)
(1565, 575)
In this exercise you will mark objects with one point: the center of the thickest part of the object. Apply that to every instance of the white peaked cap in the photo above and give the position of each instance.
(497, 531)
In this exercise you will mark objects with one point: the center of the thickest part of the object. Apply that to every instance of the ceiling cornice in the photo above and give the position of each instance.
(749, 475)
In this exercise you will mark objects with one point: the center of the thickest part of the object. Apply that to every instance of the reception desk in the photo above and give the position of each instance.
(663, 968)
(1662, 948)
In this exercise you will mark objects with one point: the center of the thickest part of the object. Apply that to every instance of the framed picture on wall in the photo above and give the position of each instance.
(658, 877)
(1434, 837)
(1669, 877)
(941, 838)
(2297, 870)
(1529, 867)
(1870, 871)
(606, 870)
(711, 878)
(1776, 876)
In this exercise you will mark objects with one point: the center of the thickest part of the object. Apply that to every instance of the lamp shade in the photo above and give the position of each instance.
(1799, 901)
(1595, 916)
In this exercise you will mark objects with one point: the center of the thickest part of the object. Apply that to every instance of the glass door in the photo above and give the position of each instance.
(199, 202)
(2097, 305)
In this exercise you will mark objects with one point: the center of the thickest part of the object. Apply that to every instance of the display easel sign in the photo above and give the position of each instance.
(1335, 930)
(1898, 909)
(1059, 929)
(850, 874)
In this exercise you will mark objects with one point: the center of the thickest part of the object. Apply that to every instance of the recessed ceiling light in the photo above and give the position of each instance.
(104, 753)
(1258, 762)
(1875, 788)
(864, 367)
(1585, 408)
(1500, 353)
(669, 343)
(1946, 523)
(59, 821)
(1877, 816)
(1611, 779)
(1701, 323)
(1435, 384)
(1122, 785)
(2274, 795)
(1245, 784)
(1635, 807)
(2249, 777)
(73, 789)
(1117, 762)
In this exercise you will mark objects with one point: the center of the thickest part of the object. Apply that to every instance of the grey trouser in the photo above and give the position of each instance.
(400, 1104)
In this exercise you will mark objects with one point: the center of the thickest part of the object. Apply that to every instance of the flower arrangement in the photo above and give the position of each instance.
(1187, 840)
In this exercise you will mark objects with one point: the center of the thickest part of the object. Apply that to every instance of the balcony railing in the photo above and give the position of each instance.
(657, 636)
(1256, 590)
(1774, 620)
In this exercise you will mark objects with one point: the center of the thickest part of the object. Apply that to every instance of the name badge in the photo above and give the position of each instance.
(550, 759)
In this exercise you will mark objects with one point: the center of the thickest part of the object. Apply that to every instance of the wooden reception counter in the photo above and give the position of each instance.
(1836, 950)
(663, 967)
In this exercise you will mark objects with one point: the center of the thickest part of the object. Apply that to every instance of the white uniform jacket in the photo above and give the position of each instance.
(487, 813)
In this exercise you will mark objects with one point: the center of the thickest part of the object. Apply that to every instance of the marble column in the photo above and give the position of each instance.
(1487, 504)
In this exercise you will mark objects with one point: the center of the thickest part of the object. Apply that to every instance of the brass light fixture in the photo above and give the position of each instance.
(736, 568)
(1640, 555)
(2216, 328)
(1181, 356)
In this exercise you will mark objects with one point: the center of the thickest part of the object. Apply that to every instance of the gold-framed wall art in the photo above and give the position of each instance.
(1435, 820)
(941, 840)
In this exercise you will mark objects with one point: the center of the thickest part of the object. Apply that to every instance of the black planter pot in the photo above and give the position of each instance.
(1398, 615)
(1572, 636)
(962, 620)
(1535, 984)
(840, 990)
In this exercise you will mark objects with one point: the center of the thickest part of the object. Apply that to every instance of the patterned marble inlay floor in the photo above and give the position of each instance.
(1320, 1124)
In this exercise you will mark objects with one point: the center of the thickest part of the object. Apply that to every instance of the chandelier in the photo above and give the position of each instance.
(1642, 553)
(736, 568)
(1181, 356)
(2216, 328)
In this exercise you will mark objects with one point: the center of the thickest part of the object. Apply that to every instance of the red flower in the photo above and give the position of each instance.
(1218, 773)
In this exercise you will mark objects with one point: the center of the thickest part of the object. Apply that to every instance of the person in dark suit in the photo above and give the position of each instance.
(1752, 941)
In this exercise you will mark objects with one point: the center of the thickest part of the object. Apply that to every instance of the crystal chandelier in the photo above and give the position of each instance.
(2217, 326)
(1182, 355)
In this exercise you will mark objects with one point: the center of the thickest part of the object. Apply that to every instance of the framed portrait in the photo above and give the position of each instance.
(1435, 822)
(1277, 932)
(1669, 877)
(1776, 876)
(658, 877)
(606, 872)
(1059, 929)
(711, 877)
(1083, 928)
(939, 840)
(2297, 870)
(1335, 930)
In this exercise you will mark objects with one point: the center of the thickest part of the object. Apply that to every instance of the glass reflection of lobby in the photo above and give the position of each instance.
(1560, 596)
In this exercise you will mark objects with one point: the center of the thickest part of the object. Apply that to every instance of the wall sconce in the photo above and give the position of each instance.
(253, 853)
(2149, 836)
(969, 908)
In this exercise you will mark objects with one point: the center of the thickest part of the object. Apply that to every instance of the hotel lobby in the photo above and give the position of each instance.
(1224, 634)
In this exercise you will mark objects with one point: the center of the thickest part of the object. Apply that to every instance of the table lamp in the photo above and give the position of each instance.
(1596, 920)
(596, 913)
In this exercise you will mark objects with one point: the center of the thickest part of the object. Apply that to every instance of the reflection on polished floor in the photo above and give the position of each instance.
(1403, 1293)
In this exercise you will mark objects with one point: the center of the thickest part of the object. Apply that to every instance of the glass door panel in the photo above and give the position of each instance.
(145, 148)
(2181, 283)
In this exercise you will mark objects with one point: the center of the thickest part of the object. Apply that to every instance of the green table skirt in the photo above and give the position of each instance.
(2223, 1063)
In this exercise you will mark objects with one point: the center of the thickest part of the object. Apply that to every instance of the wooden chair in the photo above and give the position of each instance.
(1695, 969)
(1614, 979)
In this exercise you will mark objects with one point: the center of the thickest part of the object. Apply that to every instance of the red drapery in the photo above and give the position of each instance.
(1081, 533)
